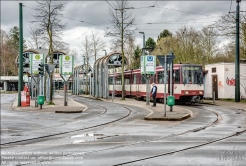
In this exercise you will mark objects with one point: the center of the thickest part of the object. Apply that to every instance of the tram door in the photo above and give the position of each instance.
(215, 86)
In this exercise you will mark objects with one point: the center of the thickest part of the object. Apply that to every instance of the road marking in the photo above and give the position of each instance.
(191, 113)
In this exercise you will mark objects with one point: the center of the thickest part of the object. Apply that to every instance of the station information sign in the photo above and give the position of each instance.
(148, 64)
(35, 60)
(66, 64)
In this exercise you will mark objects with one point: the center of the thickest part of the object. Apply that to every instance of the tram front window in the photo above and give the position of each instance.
(192, 75)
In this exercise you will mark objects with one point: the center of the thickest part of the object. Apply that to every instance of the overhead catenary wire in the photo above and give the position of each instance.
(230, 7)
(171, 22)
(73, 19)
(155, 2)
(144, 7)
(149, 23)
(110, 4)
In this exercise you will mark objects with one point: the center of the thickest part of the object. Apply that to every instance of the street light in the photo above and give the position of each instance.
(105, 52)
(84, 58)
(143, 41)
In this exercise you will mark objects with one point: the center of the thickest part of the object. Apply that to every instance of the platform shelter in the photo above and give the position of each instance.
(101, 73)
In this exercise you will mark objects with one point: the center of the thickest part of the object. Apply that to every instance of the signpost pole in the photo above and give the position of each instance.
(66, 67)
(171, 83)
(165, 94)
(148, 98)
(113, 86)
(65, 93)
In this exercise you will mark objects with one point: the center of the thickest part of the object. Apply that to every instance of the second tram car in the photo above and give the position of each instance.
(187, 83)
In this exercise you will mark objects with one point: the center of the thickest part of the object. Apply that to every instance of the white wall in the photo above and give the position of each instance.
(229, 81)
(220, 71)
(243, 80)
(226, 80)
(208, 84)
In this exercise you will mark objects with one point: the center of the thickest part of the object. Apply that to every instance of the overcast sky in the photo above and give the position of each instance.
(172, 15)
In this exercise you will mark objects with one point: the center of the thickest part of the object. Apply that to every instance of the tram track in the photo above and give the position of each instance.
(219, 118)
(216, 121)
(181, 150)
(68, 132)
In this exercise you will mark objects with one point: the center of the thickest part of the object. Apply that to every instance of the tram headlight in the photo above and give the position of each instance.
(201, 92)
(186, 92)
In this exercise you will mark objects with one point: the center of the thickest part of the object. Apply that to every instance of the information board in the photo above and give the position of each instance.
(35, 60)
(66, 64)
(148, 64)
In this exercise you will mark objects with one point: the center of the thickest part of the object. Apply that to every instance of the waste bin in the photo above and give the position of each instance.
(170, 100)
(40, 100)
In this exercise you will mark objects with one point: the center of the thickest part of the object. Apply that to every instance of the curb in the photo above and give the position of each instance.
(168, 119)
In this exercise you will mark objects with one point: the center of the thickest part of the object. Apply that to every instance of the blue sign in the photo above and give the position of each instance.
(149, 58)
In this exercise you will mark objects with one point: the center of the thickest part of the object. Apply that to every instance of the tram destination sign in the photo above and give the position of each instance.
(35, 60)
(66, 64)
(148, 64)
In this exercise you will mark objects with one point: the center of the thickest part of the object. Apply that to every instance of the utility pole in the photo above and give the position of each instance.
(237, 57)
(20, 83)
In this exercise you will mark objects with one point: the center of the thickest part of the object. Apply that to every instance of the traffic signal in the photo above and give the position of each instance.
(41, 69)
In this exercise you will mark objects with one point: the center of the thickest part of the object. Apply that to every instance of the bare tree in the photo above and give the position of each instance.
(8, 55)
(226, 26)
(97, 43)
(50, 25)
(115, 45)
(122, 21)
(86, 49)
(35, 38)
(129, 50)
(209, 45)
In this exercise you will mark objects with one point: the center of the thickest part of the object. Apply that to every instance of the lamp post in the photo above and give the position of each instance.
(143, 41)
(146, 76)
(105, 52)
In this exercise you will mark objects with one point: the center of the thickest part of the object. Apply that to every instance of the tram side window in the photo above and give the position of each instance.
(134, 79)
(143, 79)
(118, 80)
(110, 80)
(177, 76)
(127, 79)
(160, 77)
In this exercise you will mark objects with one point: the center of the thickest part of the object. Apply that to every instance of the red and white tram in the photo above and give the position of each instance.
(187, 83)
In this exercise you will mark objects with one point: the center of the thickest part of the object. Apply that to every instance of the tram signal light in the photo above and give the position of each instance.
(41, 69)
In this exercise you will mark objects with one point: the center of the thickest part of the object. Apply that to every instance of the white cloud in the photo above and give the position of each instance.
(96, 17)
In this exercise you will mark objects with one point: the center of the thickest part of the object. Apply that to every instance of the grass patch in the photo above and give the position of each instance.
(49, 103)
